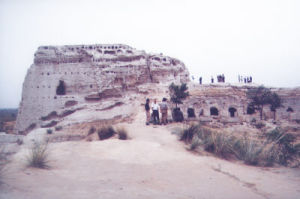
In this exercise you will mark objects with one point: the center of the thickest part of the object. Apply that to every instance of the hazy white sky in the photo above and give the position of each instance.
(260, 38)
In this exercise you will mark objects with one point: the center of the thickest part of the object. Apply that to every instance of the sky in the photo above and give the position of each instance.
(258, 38)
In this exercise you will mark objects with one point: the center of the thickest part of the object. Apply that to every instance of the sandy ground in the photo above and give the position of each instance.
(152, 164)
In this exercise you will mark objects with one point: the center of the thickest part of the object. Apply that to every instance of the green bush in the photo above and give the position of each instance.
(106, 132)
(177, 115)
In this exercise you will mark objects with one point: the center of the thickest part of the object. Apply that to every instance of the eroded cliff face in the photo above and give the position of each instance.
(65, 79)
(227, 103)
(68, 85)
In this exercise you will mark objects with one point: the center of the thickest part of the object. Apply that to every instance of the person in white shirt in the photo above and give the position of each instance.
(155, 112)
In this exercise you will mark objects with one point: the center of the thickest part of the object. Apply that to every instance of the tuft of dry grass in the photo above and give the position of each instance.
(187, 134)
(277, 146)
(3, 162)
(122, 133)
(195, 144)
(38, 156)
(92, 130)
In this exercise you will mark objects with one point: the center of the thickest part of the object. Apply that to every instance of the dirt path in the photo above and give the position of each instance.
(152, 164)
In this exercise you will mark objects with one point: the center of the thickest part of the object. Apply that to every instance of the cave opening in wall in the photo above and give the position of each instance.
(214, 111)
(232, 111)
(250, 110)
(289, 109)
(191, 112)
(61, 88)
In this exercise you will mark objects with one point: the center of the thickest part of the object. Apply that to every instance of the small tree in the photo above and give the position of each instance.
(262, 96)
(259, 97)
(275, 102)
(177, 94)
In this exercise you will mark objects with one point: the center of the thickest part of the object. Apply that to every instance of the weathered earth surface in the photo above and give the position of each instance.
(151, 164)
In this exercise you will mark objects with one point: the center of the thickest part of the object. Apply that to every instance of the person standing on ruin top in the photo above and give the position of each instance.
(200, 80)
(155, 112)
(164, 111)
(212, 79)
(147, 109)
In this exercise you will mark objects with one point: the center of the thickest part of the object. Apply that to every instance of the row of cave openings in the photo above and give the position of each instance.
(92, 47)
(232, 111)
(213, 112)
(111, 50)
(61, 90)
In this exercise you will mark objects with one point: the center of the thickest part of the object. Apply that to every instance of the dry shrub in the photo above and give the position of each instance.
(122, 134)
(195, 144)
(188, 133)
(49, 131)
(58, 128)
(277, 147)
(38, 156)
(106, 132)
(259, 125)
(248, 150)
(92, 130)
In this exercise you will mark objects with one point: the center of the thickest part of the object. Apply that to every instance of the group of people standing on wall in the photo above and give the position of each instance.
(156, 108)
(221, 79)
(245, 79)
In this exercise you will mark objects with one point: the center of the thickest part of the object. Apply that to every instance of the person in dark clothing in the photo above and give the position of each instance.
(147, 109)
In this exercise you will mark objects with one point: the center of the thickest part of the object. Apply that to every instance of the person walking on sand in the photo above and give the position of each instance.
(164, 111)
(155, 112)
(147, 109)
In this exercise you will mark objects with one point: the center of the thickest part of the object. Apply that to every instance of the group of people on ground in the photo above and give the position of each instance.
(155, 107)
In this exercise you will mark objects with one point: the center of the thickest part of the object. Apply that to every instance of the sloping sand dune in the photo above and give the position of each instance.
(152, 164)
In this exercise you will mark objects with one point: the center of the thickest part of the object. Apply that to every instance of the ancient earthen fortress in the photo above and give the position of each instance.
(71, 84)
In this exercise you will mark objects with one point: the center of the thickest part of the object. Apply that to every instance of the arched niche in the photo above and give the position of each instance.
(214, 111)
(232, 111)
(61, 88)
(250, 110)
